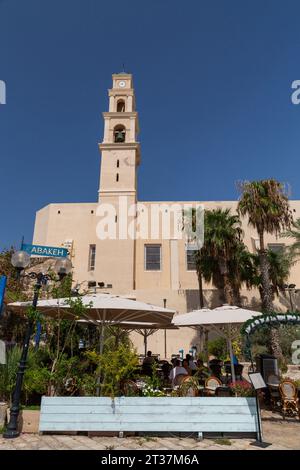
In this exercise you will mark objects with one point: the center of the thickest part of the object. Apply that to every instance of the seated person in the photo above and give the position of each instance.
(185, 364)
(202, 370)
(166, 368)
(191, 363)
(215, 361)
(149, 359)
(177, 370)
(148, 362)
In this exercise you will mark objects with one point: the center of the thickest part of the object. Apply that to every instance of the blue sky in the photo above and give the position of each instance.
(213, 84)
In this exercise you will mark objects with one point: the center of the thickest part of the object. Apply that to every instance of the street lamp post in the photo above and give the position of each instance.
(20, 260)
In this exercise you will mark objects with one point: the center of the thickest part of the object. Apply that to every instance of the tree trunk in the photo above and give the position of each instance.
(227, 290)
(201, 297)
(266, 289)
(266, 296)
(275, 347)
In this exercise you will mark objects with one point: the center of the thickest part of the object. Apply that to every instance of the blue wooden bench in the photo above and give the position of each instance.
(150, 414)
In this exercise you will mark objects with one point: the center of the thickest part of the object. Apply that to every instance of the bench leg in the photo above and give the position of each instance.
(200, 436)
(121, 434)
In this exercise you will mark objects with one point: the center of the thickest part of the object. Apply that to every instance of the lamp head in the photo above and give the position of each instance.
(20, 260)
(62, 267)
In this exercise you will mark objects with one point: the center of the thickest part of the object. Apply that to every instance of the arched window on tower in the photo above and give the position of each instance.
(119, 134)
(121, 106)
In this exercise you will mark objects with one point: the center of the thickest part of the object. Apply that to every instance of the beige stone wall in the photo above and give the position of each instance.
(121, 263)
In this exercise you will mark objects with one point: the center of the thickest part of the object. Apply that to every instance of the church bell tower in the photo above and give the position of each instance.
(120, 151)
(120, 157)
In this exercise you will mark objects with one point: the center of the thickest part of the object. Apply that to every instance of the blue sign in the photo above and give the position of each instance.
(2, 291)
(49, 251)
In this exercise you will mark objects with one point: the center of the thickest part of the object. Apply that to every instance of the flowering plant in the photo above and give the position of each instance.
(242, 388)
(152, 385)
(149, 391)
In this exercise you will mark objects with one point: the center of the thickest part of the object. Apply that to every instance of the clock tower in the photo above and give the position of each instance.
(120, 151)
(120, 157)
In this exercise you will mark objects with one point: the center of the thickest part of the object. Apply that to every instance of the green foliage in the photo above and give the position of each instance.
(36, 381)
(294, 232)
(14, 288)
(64, 377)
(218, 348)
(266, 204)
(8, 373)
(153, 384)
(63, 288)
(36, 375)
(279, 263)
(114, 366)
(256, 333)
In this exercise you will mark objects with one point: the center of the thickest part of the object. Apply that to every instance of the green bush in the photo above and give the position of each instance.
(218, 348)
(113, 367)
(36, 375)
(8, 373)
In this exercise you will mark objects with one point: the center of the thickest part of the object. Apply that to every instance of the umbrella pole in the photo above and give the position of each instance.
(231, 354)
(100, 351)
(101, 338)
(145, 342)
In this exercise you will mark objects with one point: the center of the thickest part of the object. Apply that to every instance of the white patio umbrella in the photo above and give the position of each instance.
(225, 321)
(104, 309)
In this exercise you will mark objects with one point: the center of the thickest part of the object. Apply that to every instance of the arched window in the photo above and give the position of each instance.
(119, 134)
(121, 106)
(118, 163)
(117, 177)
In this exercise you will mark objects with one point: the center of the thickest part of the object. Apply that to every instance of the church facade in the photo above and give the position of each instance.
(127, 247)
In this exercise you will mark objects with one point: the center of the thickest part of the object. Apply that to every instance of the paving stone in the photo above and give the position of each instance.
(282, 434)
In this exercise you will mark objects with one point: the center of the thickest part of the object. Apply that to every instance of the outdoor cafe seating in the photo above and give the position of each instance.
(289, 397)
(211, 384)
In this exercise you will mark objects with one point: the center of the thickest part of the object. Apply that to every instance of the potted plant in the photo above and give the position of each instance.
(242, 388)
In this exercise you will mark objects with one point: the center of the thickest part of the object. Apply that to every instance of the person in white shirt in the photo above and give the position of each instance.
(177, 370)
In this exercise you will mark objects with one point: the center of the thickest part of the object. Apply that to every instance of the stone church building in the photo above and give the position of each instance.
(130, 254)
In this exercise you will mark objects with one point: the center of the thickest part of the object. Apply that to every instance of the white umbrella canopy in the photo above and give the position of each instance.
(227, 314)
(221, 320)
(103, 307)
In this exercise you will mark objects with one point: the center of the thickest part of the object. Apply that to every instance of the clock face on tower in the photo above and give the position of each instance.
(122, 84)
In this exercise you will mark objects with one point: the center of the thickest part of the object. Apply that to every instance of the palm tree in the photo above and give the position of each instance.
(266, 204)
(198, 261)
(279, 269)
(189, 224)
(294, 232)
(222, 238)
(242, 270)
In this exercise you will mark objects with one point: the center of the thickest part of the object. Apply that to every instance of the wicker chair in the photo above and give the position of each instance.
(178, 379)
(290, 401)
(188, 387)
(211, 384)
(129, 388)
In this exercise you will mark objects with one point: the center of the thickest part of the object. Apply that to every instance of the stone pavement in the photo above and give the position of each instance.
(282, 434)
